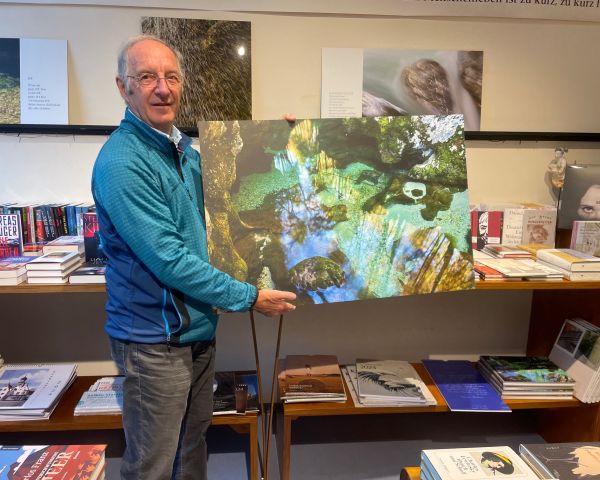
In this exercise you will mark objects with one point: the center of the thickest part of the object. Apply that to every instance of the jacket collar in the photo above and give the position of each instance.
(140, 128)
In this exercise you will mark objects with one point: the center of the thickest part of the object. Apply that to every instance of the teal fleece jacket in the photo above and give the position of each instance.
(148, 195)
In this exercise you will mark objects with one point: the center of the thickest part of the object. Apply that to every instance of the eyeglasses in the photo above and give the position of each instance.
(151, 79)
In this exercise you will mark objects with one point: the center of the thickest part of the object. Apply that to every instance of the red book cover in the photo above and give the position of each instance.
(486, 228)
(11, 235)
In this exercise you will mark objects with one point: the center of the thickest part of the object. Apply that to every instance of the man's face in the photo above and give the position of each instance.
(589, 205)
(157, 104)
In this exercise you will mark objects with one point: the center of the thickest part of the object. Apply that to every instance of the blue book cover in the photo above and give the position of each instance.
(463, 387)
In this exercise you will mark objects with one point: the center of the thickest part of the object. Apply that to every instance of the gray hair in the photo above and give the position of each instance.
(123, 59)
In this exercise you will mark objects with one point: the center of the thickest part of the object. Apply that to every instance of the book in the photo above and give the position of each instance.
(522, 268)
(88, 273)
(475, 463)
(574, 276)
(11, 235)
(54, 261)
(311, 378)
(66, 243)
(389, 379)
(534, 225)
(12, 267)
(463, 387)
(13, 280)
(91, 239)
(506, 251)
(52, 273)
(580, 196)
(33, 390)
(526, 370)
(104, 397)
(569, 259)
(486, 228)
(52, 462)
(235, 392)
(564, 461)
(576, 351)
(585, 237)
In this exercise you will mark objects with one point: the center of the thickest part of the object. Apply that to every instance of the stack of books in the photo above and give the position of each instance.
(564, 461)
(310, 378)
(386, 383)
(574, 265)
(53, 267)
(506, 251)
(235, 392)
(31, 392)
(526, 377)
(67, 462)
(518, 269)
(13, 271)
(474, 463)
(577, 351)
(104, 397)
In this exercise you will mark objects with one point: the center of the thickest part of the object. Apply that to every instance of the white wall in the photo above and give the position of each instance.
(538, 76)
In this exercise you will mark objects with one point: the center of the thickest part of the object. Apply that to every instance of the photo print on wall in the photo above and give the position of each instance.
(217, 69)
(339, 209)
(385, 81)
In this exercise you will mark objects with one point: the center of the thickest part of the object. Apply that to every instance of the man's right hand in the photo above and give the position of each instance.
(274, 302)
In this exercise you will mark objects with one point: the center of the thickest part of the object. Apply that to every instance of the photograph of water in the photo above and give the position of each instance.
(10, 91)
(339, 209)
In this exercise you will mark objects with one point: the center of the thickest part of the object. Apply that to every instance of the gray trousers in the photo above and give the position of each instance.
(167, 409)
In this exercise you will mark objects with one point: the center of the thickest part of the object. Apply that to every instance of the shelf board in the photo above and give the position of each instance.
(479, 285)
(62, 418)
(193, 132)
(319, 409)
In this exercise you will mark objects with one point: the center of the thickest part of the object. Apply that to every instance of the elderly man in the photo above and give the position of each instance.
(162, 292)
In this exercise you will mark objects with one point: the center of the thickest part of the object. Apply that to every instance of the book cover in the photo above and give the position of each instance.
(564, 461)
(580, 195)
(486, 228)
(33, 387)
(577, 351)
(526, 370)
(11, 267)
(235, 392)
(539, 226)
(89, 273)
(66, 243)
(476, 463)
(11, 235)
(91, 239)
(585, 237)
(569, 259)
(391, 379)
(313, 374)
(28, 462)
(463, 387)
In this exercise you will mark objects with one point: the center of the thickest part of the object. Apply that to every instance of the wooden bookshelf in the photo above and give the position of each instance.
(290, 412)
(63, 420)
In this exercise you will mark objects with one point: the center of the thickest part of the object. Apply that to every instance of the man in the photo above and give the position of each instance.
(162, 293)
(589, 205)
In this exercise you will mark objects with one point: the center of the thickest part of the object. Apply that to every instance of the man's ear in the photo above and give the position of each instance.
(121, 87)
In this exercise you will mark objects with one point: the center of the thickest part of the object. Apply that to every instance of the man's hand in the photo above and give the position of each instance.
(290, 117)
(274, 302)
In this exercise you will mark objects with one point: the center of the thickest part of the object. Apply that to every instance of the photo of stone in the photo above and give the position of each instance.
(10, 91)
(339, 209)
(217, 66)
(423, 82)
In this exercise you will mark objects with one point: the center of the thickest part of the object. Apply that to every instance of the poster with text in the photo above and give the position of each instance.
(216, 65)
(377, 82)
(34, 86)
(339, 209)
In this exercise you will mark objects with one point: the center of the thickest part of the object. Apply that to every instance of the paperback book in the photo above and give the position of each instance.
(235, 392)
(88, 273)
(49, 462)
(569, 259)
(11, 235)
(463, 387)
(563, 461)
(475, 463)
(389, 379)
(585, 237)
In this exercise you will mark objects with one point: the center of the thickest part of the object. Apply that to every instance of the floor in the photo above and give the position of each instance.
(365, 447)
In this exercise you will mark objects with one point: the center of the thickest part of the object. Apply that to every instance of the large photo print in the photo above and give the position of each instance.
(339, 209)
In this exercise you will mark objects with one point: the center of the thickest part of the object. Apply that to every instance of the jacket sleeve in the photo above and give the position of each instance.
(137, 207)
